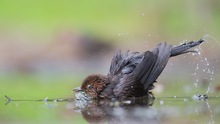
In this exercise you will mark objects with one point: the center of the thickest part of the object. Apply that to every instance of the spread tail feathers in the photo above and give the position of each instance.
(184, 48)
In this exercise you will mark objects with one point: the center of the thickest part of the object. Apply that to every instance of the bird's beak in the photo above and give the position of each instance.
(77, 89)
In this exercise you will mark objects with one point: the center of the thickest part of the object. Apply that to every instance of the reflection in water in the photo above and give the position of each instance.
(142, 110)
(114, 111)
(151, 110)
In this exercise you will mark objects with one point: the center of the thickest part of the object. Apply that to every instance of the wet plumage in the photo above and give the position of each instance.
(132, 74)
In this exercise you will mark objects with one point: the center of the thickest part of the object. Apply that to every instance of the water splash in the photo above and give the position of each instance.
(203, 68)
(206, 36)
(198, 97)
(207, 109)
(210, 113)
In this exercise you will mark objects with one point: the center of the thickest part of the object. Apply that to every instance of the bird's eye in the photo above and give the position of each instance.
(88, 86)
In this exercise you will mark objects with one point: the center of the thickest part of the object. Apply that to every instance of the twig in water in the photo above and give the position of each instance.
(8, 100)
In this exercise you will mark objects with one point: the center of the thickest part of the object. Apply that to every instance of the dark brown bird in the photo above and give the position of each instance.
(132, 74)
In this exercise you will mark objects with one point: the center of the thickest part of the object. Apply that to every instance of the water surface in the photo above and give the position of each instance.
(164, 110)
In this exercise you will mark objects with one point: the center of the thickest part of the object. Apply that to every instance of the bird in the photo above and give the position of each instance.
(132, 74)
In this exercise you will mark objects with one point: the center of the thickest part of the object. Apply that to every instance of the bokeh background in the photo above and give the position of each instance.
(48, 47)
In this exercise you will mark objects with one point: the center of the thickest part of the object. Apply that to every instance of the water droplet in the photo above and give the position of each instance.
(196, 84)
(185, 99)
(209, 87)
(197, 67)
(116, 103)
(127, 102)
(45, 99)
(212, 72)
(196, 111)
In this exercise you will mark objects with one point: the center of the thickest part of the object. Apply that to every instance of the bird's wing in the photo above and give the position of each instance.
(137, 70)
(149, 68)
(163, 52)
(118, 61)
(128, 84)
(124, 62)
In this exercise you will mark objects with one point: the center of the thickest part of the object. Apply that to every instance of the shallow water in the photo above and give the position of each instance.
(163, 110)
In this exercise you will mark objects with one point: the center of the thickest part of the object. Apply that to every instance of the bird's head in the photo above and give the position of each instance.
(92, 86)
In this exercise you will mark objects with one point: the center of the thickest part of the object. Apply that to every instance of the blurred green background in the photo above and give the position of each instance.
(48, 47)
